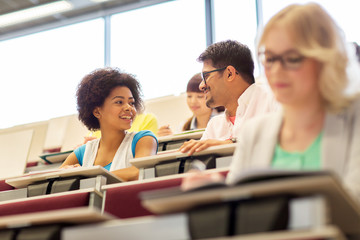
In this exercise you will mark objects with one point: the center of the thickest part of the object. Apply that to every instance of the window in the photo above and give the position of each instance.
(160, 45)
(40, 72)
(345, 13)
(236, 20)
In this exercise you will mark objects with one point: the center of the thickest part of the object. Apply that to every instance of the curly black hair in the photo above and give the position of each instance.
(96, 86)
(231, 52)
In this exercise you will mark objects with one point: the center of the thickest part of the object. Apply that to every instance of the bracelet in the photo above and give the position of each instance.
(234, 140)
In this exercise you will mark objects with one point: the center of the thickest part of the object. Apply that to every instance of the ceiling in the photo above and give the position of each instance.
(82, 10)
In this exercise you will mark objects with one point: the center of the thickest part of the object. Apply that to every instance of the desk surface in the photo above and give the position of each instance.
(72, 215)
(344, 210)
(162, 178)
(150, 161)
(32, 177)
(192, 134)
(328, 232)
(52, 195)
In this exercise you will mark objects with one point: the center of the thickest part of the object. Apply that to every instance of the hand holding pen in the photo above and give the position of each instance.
(164, 131)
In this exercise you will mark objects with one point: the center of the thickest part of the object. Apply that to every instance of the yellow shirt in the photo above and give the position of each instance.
(143, 121)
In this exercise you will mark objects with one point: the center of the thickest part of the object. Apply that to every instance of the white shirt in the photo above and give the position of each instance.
(122, 156)
(255, 100)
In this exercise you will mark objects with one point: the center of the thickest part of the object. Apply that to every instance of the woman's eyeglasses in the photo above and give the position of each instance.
(289, 60)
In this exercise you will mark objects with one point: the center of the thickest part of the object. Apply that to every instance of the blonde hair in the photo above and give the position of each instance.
(316, 35)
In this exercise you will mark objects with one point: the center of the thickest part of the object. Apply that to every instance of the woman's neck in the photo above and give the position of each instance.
(301, 126)
(111, 139)
(202, 120)
(303, 117)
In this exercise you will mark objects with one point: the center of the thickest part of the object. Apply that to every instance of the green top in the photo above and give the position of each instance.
(307, 160)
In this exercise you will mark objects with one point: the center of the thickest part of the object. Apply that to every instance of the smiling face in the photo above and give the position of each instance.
(214, 89)
(197, 103)
(118, 110)
(293, 86)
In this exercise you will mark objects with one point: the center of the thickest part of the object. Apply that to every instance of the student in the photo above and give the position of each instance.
(318, 127)
(305, 62)
(196, 102)
(142, 121)
(228, 81)
(108, 99)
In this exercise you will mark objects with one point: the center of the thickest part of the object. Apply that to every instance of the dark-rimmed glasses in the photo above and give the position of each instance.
(291, 60)
(205, 75)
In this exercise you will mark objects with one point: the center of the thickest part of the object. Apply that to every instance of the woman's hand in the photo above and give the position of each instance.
(70, 166)
(193, 146)
(164, 131)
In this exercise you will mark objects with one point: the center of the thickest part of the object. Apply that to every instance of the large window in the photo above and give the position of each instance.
(160, 44)
(236, 20)
(40, 72)
(345, 13)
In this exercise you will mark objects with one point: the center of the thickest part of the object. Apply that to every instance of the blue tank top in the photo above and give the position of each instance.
(80, 151)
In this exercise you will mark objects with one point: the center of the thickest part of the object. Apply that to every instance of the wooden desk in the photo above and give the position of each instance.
(180, 136)
(324, 233)
(170, 227)
(175, 141)
(223, 171)
(345, 212)
(150, 161)
(175, 227)
(73, 215)
(25, 180)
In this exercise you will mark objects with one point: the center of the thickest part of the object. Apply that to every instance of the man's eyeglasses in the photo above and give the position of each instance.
(289, 60)
(205, 75)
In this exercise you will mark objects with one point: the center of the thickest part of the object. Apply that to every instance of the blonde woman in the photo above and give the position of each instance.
(304, 57)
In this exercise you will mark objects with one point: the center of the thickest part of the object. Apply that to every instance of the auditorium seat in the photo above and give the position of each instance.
(4, 186)
(64, 133)
(171, 110)
(123, 201)
(39, 132)
(45, 203)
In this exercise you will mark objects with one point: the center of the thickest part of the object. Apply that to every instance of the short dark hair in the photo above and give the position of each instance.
(193, 84)
(231, 52)
(96, 86)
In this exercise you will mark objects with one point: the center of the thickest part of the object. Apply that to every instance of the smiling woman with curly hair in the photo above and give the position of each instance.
(108, 99)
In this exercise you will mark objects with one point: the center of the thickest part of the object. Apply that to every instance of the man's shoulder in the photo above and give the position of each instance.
(263, 89)
(217, 128)
(263, 96)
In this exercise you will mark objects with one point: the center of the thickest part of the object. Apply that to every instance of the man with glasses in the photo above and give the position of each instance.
(228, 81)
